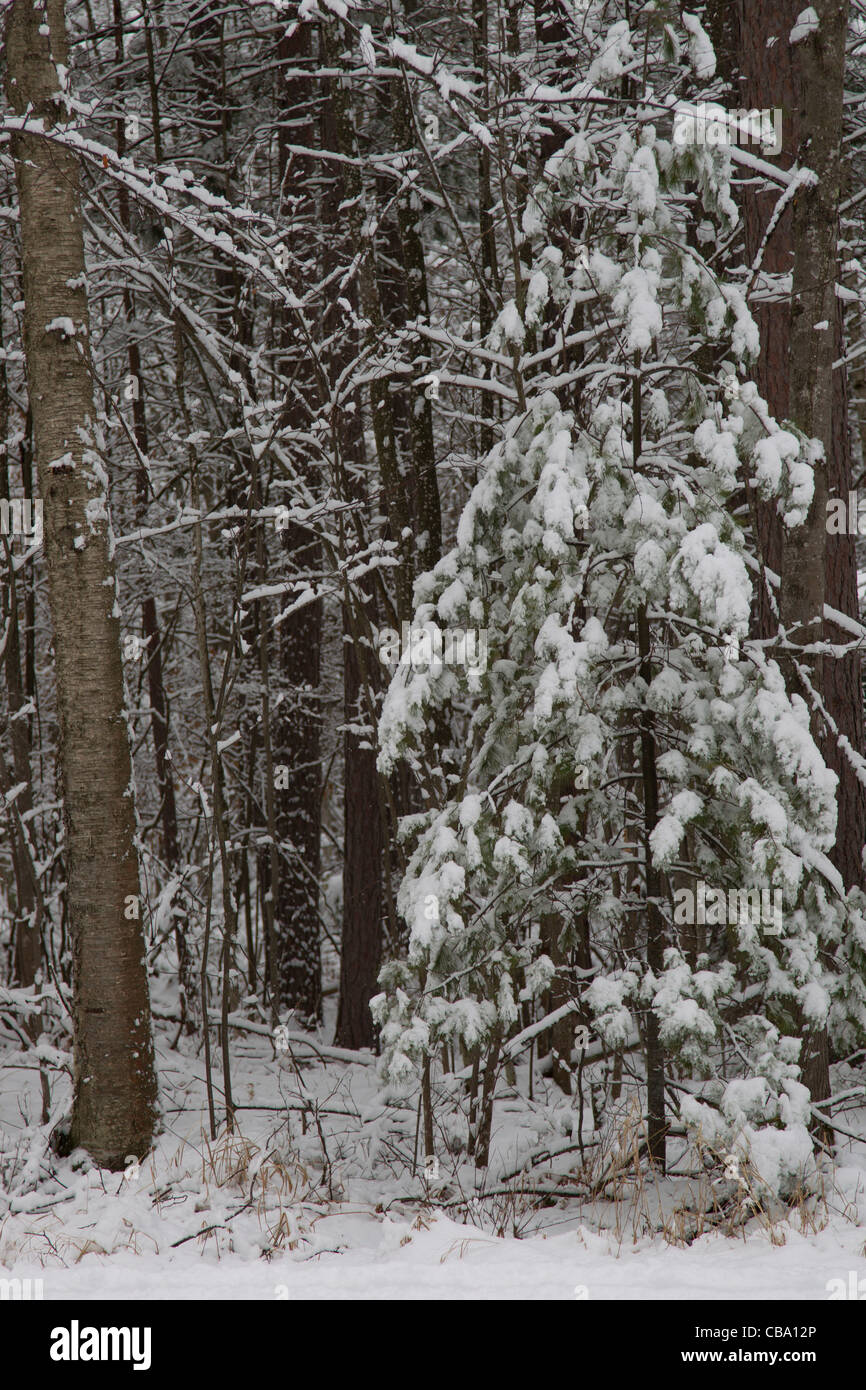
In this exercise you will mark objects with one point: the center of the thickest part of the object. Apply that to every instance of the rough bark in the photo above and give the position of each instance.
(796, 376)
(27, 936)
(819, 64)
(362, 865)
(149, 615)
(415, 308)
(774, 75)
(655, 924)
(297, 719)
(768, 82)
(360, 220)
(364, 844)
(114, 1081)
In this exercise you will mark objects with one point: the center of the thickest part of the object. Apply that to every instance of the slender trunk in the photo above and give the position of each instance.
(297, 719)
(362, 865)
(765, 59)
(361, 222)
(490, 292)
(365, 834)
(415, 308)
(27, 937)
(655, 1057)
(272, 881)
(555, 59)
(149, 617)
(561, 1035)
(212, 717)
(488, 1089)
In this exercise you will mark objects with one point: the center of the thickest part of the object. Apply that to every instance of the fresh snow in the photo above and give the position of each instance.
(95, 1235)
(806, 25)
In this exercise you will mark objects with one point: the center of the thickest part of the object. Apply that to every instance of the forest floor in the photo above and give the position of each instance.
(313, 1196)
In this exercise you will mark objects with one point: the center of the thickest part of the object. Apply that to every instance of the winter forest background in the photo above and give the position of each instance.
(432, 748)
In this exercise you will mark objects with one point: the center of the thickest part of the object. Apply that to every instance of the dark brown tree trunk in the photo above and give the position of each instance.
(819, 66)
(149, 616)
(772, 77)
(843, 677)
(551, 34)
(360, 226)
(767, 83)
(363, 824)
(415, 308)
(797, 377)
(561, 1034)
(27, 936)
(490, 290)
(297, 720)
(362, 865)
(655, 923)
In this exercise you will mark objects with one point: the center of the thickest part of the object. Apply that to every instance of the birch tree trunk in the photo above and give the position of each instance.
(114, 1079)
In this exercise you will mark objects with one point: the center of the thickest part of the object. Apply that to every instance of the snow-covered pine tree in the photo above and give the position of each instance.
(608, 554)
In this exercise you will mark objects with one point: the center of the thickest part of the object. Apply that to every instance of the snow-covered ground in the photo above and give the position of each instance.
(326, 1206)
(389, 1258)
(447, 1261)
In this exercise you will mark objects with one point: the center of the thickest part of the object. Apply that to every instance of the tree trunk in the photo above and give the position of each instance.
(362, 865)
(296, 719)
(364, 845)
(149, 615)
(27, 935)
(772, 77)
(797, 378)
(360, 221)
(819, 68)
(766, 60)
(655, 944)
(415, 307)
(114, 1083)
